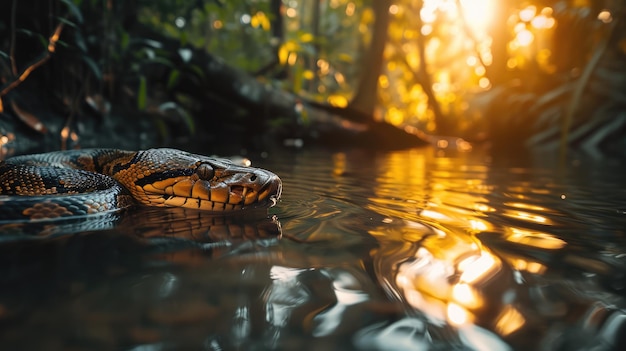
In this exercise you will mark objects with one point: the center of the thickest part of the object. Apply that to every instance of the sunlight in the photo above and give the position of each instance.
(509, 320)
(530, 217)
(605, 16)
(466, 295)
(474, 268)
(478, 225)
(535, 239)
(528, 13)
(528, 266)
(457, 315)
(524, 37)
(478, 13)
(350, 8)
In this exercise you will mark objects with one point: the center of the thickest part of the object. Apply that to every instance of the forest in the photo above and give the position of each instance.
(389, 74)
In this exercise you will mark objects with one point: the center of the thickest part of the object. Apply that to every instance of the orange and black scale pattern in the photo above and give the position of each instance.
(83, 182)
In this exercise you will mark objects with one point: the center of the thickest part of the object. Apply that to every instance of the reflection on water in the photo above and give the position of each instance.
(406, 250)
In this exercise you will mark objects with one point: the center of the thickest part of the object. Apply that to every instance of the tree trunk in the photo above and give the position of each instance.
(367, 91)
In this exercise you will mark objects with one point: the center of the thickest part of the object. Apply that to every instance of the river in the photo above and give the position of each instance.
(398, 250)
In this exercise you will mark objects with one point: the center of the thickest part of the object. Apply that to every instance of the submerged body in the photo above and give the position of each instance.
(82, 182)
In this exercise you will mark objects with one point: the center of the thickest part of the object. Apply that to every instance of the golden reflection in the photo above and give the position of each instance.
(527, 266)
(417, 185)
(475, 268)
(458, 315)
(529, 217)
(448, 273)
(484, 208)
(525, 206)
(467, 296)
(432, 280)
(509, 320)
(434, 215)
(478, 225)
(534, 238)
(339, 163)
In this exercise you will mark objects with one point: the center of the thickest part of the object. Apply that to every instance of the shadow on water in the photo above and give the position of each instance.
(407, 250)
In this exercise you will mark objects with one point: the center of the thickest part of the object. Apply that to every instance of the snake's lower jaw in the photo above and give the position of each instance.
(216, 196)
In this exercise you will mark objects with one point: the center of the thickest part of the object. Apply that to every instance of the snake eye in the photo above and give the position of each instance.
(205, 171)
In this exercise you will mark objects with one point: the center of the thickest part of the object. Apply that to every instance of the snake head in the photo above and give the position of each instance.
(174, 178)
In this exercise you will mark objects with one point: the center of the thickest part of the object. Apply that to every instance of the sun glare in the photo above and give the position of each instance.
(478, 13)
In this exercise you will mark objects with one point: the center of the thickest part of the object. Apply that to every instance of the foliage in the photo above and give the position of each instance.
(319, 53)
(565, 90)
(213, 25)
(328, 60)
(93, 60)
(532, 71)
(520, 70)
(471, 52)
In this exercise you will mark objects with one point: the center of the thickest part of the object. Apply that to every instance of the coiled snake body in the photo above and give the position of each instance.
(82, 182)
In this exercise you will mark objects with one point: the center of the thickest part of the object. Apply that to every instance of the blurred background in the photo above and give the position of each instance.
(512, 73)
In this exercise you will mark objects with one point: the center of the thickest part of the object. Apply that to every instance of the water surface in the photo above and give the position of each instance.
(402, 250)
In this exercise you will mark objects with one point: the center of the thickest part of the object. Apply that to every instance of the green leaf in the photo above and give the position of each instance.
(142, 93)
(179, 112)
(67, 22)
(61, 43)
(184, 39)
(74, 10)
(124, 40)
(173, 79)
(80, 42)
(43, 40)
(155, 44)
(197, 70)
(95, 69)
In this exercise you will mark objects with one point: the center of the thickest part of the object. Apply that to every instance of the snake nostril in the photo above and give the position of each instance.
(205, 171)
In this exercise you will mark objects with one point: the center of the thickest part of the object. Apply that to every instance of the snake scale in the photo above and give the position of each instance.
(83, 182)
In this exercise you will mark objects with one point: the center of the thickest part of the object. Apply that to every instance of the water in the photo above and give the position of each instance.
(402, 250)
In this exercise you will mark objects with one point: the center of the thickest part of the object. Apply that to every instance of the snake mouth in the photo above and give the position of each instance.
(224, 193)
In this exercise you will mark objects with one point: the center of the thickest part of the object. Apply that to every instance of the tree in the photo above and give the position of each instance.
(366, 95)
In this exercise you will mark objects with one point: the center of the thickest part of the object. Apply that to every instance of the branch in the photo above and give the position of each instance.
(54, 38)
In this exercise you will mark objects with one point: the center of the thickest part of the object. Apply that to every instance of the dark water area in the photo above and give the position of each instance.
(399, 250)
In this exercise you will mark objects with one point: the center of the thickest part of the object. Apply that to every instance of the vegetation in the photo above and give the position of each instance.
(542, 73)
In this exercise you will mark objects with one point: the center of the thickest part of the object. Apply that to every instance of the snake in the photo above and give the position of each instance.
(77, 183)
